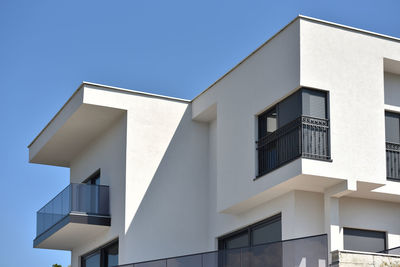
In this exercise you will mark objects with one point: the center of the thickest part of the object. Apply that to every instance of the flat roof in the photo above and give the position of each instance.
(328, 23)
(110, 88)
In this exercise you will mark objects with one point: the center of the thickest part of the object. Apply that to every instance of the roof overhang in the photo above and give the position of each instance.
(74, 127)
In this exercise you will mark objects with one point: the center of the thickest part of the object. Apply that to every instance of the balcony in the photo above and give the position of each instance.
(79, 212)
(305, 137)
(392, 161)
(307, 252)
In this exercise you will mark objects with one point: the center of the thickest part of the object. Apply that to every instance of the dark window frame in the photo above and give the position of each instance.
(263, 170)
(102, 250)
(385, 235)
(392, 149)
(222, 239)
(395, 115)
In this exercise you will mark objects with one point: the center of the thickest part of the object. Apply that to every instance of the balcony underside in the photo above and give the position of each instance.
(73, 230)
(75, 126)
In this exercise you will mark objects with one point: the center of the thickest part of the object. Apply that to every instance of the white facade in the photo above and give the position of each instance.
(181, 173)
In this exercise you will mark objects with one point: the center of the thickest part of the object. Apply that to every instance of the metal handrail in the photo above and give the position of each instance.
(86, 198)
(305, 136)
(320, 240)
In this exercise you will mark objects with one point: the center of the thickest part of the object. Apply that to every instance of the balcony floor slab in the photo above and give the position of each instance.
(71, 231)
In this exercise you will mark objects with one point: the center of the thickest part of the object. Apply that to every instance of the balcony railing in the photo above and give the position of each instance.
(393, 161)
(83, 199)
(307, 252)
(392, 251)
(305, 137)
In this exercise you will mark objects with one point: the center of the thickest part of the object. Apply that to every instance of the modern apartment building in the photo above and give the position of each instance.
(291, 155)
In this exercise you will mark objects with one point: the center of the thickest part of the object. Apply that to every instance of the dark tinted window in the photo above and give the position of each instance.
(106, 256)
(92, 260)
(267, 123)
(305, 102)
(266, 231)
(297, 137)
(289, 109)
(364, 240)
(314, 103)
(392, 127)
(111, 253)
(238, 241)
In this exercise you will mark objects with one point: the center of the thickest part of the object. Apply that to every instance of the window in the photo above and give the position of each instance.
(111, 255)
(266, 233)
(92, 260)
(392, 127)
(239, 240)
(297, 126)
(364, 240)
(263, 232)
(105, 256)
(392, 136)
(94, 178)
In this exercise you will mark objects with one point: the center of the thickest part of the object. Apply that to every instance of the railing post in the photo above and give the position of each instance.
(301, 149)
(71, 188)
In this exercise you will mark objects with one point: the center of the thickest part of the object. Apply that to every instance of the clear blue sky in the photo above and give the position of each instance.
(168, 47)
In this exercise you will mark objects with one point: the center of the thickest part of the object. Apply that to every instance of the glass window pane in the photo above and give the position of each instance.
(289, 109)
(112, 255)
(92, 260)
(237, 241)
(314, 103)
(266, 233)
(267, 123)
(392, 127)
(364, 240)
(272, 123)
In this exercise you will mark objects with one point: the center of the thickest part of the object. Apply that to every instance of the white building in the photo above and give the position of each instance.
(302, 138)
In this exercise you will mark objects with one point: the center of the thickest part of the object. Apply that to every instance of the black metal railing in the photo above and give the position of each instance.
(392, 251)
(308, 251)
(305, 137)
(393, 161)
(75, 198)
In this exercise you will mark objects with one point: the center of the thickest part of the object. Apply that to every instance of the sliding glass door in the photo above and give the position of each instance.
(106, 256)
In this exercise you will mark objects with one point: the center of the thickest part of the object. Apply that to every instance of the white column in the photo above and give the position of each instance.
(332, 216)
(332, 226)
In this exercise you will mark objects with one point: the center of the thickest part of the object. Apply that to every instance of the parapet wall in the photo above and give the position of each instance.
(358, 259)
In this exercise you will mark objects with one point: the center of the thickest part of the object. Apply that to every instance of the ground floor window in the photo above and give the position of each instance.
(364, 240)
(259, 240)
(105, 256)
(266, 231)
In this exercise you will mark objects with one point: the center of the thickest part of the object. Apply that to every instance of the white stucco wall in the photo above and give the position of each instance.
(267, 76)
(350, 66)
(371, 215)
(162, 161)
(107, 153)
